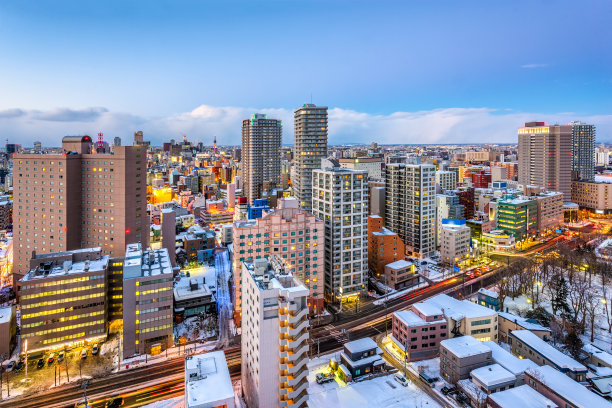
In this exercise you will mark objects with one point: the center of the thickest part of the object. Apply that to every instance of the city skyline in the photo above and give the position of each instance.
(405, 72)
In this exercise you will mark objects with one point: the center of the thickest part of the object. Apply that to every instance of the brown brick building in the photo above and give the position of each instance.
(384, 247)
(78, 199)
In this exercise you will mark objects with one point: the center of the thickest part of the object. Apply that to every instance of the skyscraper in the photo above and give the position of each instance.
(261, 161)
(78, 199)
(310, 125)
(411, 206)
(545, 156)
(340, 199)
(583, 151)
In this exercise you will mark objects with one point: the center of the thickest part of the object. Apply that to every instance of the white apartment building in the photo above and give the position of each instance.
(274, 336)
(447, 206)
(411, 206)
(207, 381)
(455, 242)
(340, 199)
(446, 180)
(373, 165)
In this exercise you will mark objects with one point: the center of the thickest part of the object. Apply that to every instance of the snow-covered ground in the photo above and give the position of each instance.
(224, 303)
(195, 328)
(178, 402)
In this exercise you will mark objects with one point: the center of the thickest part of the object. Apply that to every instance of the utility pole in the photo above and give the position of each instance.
(26, 359)
(405, 356)
(66, 364)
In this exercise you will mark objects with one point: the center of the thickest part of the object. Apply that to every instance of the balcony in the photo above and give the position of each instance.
(293, 381)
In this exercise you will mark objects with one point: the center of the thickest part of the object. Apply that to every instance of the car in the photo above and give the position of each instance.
(41, 363)
(19, 366)
(51, 358)
(60, 357)
(84, 353)
(323, 378)
(94, 350)
(114, 403)
(446, 390)
(10, 366)
(401, 379)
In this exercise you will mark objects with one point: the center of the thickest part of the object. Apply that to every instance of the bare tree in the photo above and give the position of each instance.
(591, 302)
(577, 297)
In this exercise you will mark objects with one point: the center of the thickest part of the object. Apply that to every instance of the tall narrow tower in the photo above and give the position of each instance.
(310, 128)
(215, 146)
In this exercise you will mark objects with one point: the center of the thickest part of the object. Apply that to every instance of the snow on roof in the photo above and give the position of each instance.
(527, 324)
(492, 375)
(540, 346)
(458, 309)
(523, 396)
(427, 309)
(360, 345)
(515, 365)
(208, 379)
(488, 292)
(464, 346)
(568, 389)
(5, 314)
(409, 318)
(399, 264)
(599, 353)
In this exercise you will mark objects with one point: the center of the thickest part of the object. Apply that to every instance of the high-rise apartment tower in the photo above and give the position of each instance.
(261, 158)
(310, 126)
(583, 151)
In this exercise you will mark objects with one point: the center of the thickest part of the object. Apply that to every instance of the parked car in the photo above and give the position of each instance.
(10, 366)
(401, 379)
(84, 353)
(428, 380)
(19, 366)
(94, 350)
(114, 403)
(41, 363)
(447, 390)
(51, 358)
(323, 378)
(60, 357)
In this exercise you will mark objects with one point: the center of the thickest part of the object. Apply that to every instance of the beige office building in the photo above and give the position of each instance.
(594, 196)
(545, 156)
(63, 300)
(78, 199)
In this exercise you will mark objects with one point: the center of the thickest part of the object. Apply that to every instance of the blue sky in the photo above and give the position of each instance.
(197, 67)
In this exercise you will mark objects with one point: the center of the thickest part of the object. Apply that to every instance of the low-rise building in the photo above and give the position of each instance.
(401, 274)
(417, 332)
(517, 216)
(597, 357)
(517, 366)
(147, 301)
(207, 381)
(525, 344)
(488, 298)
(460, 355)
(498, 241)
(509, 322)
(466, 318)
(454, 242)
(384, 247)
(63, 300)
(550, 210)
(523, 396)
(361, 357)
(562, 390)
(193, 298)
(493, 378)
(595, 196)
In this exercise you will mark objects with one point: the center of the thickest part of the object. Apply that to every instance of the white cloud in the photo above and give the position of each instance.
(450, 125)
(534, 65)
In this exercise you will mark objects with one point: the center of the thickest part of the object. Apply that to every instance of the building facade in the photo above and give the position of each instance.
(545, 156)
(275, 336)
(460, 355)
(384, 247)
(517, 216)
(82, 200)
(455, 242)
(310, 128)
(292, 234)
(583, 151)
(261, 158)
(411, 206)
(417, 332)
(340, 199)
(63, 300)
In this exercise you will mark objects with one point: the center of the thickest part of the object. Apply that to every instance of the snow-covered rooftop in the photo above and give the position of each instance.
(599, 353)
(409, 318)
(523, 396)
(399, 264)
(5, 314)
(68, 268)
(458, 309)
(515, 365)
(360, 345)
(208, 379)
(427, 309)
(488, 292)
(537, 344)
(492, 375)
(578, 395)
(527, 324)
(464, 346)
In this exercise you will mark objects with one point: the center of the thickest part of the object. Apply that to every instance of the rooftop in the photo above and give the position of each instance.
(5, 314)
(360, 345)
(513, 364)
(427, 309)
(464, 346)
(578, 395)
(139, 263)
(208, 379)
(49, 269)
(458, 309)
(528, 324)
(599, 353)
(492, 375)
(560, 359)
(401, 264)
(523, 396)
(488, 292)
